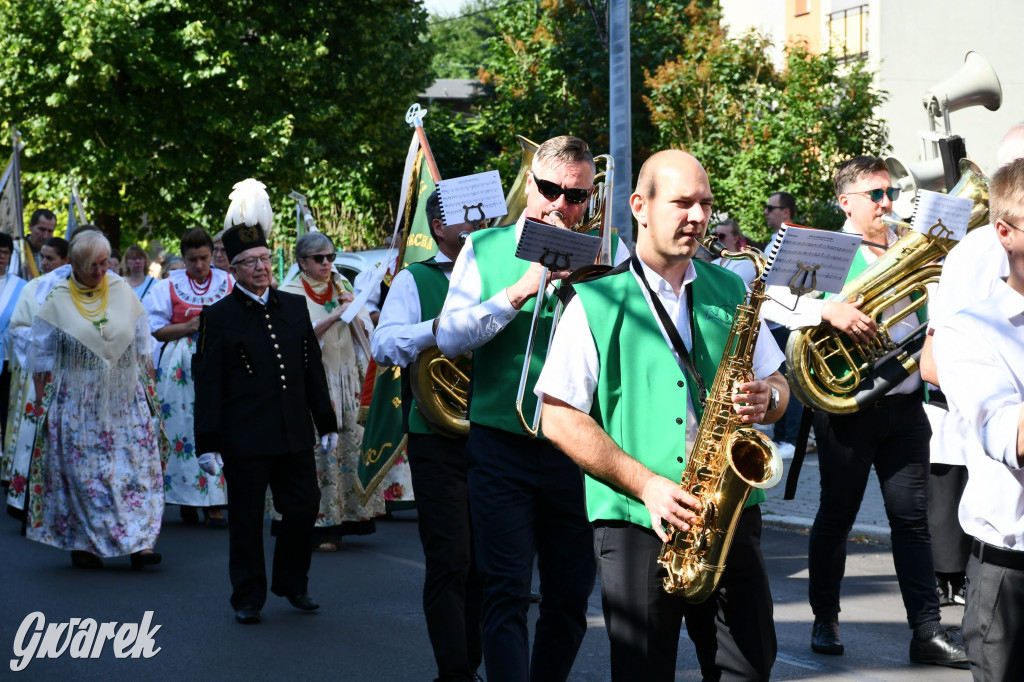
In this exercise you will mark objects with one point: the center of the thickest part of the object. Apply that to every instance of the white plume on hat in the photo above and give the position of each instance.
(250, 205)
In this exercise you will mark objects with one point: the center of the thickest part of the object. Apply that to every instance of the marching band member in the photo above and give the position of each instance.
(979, 352)
(615, 374)
(260, 389)
(892, 435)
(451, 592)
(525, 495)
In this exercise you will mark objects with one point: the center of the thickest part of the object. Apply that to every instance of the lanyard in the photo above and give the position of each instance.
(673, 333)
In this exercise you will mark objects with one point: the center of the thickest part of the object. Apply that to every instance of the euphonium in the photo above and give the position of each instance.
(729, 458)
(829, 371)
(441, 389)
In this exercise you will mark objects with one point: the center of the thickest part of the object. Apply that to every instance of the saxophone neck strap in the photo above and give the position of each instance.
(673, 333)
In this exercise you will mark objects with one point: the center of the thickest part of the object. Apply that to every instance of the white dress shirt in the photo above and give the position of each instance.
(786, 309)
(401, 332)
(571, 371)
(466, 322)
(262, 300)
(980, 355)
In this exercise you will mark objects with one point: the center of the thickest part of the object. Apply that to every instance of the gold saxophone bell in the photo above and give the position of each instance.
(828, 370)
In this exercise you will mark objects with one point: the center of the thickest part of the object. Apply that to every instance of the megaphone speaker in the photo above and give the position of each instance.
(912, 177)
(974, 84)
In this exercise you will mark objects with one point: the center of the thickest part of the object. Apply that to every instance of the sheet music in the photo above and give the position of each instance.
(480, 192)
(933, 208)
(555, 247)
(806, 259)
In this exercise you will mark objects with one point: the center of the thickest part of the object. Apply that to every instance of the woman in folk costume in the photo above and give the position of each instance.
(173, 307)
(25, 410)
(328, 295)
(95, 485)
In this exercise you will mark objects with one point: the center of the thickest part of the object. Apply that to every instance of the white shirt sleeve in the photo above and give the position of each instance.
(572, 366)
(400, 334)
(466, 322)
(782, 307)
(158, 305)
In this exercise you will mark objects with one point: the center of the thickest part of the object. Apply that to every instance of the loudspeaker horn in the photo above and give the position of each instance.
(912, 177)
(974, 84)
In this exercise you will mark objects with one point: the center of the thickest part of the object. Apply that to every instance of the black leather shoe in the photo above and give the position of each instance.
(80, 559)
(248, 615)
(303, 602)
(142, 559)
(938, 649)
(825, 636)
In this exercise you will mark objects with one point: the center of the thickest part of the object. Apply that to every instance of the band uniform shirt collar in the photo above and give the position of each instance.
(262, 300)
(662, 287)
(1010, 303)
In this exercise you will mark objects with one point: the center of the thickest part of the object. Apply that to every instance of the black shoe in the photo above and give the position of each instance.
(303, 602)
(189, 515)
(142, 559)
(218, 522)
(825, 636)
(248, 615)
(81, 559)
(939, 648)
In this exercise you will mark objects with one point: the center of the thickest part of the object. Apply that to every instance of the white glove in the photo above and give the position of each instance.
(328, 442)
(211, 462)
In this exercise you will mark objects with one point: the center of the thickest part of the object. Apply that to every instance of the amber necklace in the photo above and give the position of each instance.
(92, 309)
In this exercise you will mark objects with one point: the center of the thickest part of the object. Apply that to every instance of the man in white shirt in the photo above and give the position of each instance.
(525, 495)
(619, 398)
(892, 435)
(979, 353)
(451, 591)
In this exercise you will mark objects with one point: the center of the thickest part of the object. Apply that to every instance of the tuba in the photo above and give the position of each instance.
(827, 370)
(441, 389)
(729, 458)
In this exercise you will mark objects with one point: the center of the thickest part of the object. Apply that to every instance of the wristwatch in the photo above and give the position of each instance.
(773, 402)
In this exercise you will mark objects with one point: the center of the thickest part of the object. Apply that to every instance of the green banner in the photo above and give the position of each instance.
(418, 244)
(383, 440)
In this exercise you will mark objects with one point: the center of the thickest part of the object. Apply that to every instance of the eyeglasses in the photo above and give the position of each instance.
(876, 194)
(265, 259)
(551, 191)
(96, 267)
(1003, 219)
(769, 207)
(319, 257)
(722, 235)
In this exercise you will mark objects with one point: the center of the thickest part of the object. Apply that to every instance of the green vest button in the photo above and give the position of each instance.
(679, 420)
(679, 384)
(679, 459)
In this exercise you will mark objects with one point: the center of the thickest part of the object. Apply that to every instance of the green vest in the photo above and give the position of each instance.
(498, 363)
(640, 399)
(432, 286)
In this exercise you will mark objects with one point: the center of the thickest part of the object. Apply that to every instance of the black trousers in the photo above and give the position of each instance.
(893, 438)
(452, 593)
(951, 546)
(527, 502)
(733, 631)
(292, 480)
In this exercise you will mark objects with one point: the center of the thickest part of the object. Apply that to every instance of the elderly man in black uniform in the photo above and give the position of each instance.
(260, 388)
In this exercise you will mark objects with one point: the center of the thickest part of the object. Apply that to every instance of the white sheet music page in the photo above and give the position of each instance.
(472, 197)
(806, 259)
(556, 248)
(941, 215)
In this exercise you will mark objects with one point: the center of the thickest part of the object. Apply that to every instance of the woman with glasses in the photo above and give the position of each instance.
(95, 485)
(728, 232)
(136, 271)
(328, 295)
(173, 307)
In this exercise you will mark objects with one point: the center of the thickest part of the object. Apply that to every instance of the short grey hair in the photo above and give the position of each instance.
(86, 247)
(311, 242)
(561, 150)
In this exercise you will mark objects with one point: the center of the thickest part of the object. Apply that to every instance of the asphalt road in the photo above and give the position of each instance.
(370, 626)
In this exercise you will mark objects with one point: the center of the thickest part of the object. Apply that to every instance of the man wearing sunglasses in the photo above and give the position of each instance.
(892, 435)
(451, 590)
(525, 495)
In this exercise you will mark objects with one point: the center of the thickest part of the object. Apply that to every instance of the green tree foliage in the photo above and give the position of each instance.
(159, 106)
(461, 40)
(758, 130)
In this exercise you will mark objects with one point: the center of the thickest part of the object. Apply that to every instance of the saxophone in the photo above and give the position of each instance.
(728, 459)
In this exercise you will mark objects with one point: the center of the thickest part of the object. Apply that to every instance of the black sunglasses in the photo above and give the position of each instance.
(319, 257)
(876, 194)
(551, 191)
(769, 207)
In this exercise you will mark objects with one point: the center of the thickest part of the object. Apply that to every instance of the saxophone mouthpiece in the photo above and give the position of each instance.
(711, 243)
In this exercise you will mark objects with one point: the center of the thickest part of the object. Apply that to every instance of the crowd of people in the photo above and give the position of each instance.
(622, 389)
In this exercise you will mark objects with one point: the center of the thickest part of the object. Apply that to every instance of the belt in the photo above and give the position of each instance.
(997, 556)
(897, 398)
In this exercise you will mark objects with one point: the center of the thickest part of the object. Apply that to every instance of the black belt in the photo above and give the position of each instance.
(897, 398)
(997, 556)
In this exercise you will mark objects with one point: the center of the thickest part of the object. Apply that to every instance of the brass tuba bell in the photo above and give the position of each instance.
(828, 370)
(440, 388)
